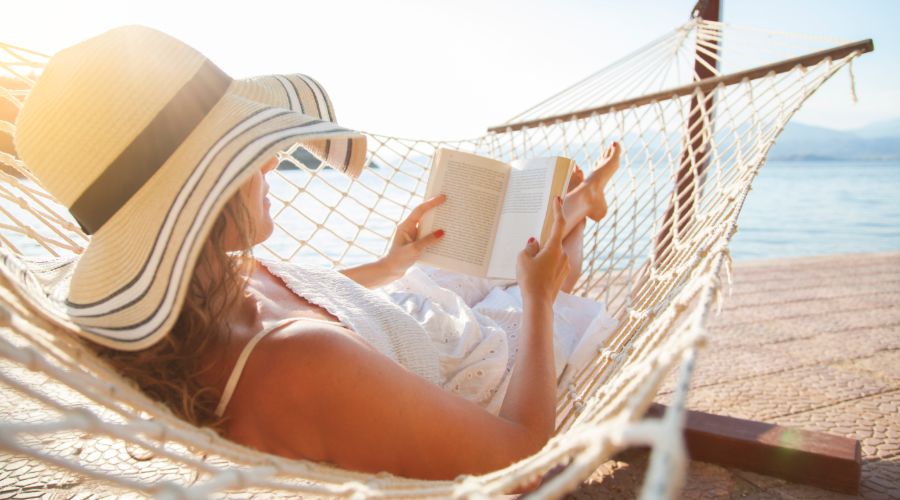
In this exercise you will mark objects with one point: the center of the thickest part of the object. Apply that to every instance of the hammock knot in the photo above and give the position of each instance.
(578, 404)
(32, 360)
(469, 487)
(702, 338)
(638, 315)
(728, 263)
(211, 436)
(80, 418)
(357, 490)
(611, 355)
(717, 294)
(159, 431)
(5, 317)
(71, 227)
(379, 480)
(167, 490)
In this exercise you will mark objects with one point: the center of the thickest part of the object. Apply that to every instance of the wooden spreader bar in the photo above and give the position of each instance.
(706, 84)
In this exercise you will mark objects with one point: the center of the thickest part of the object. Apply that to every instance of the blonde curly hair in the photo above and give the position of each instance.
(170, 370)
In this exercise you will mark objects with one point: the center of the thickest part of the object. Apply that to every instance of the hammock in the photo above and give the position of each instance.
(693, 142)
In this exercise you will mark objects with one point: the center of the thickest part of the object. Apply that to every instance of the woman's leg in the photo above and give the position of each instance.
(573, 245)
(585, 199)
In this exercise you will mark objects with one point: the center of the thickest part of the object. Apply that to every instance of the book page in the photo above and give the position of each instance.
(522, 214)
(474, 186)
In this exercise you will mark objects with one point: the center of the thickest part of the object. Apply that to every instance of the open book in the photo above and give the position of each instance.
(492, 209)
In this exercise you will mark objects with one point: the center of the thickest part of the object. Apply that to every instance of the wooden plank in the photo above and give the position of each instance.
(814, 458)
(807, 60)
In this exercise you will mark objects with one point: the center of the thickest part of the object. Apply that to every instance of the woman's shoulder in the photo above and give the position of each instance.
(283, 381)
(302, 345)
(295, 359)
(313, 337)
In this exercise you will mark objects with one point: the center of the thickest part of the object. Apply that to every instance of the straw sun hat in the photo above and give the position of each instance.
(144, 140)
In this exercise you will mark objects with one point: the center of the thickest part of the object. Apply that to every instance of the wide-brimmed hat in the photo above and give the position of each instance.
(144, 140)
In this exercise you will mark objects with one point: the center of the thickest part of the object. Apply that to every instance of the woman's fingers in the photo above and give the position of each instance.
(531, 247)
(559, 223)
(527, 255)
(417, 213)
(427, 241)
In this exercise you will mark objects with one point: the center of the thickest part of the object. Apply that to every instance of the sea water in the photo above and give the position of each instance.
(806, 208)
(820, 208)
(794, 209)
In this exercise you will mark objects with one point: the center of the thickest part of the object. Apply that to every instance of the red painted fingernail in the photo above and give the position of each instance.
(439, 233)
(531, 240)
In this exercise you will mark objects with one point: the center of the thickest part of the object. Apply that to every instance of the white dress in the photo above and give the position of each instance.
(466, 330)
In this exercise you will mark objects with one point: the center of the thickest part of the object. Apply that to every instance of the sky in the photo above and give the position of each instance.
(450, 69)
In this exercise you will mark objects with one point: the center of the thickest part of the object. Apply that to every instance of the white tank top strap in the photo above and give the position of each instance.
(245, 353)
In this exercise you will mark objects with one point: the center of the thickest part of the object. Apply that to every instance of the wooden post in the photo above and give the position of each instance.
(695, 157)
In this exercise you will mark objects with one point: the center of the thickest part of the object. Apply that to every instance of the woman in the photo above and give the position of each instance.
(165, 158)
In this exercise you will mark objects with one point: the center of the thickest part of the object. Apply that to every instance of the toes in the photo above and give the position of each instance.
(611, 155)
(606, 153)
(615, 149)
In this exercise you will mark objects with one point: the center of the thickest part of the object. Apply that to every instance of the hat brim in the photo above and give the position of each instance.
(130, 282)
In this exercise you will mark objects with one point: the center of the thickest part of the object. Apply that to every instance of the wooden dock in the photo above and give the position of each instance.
(811, 343)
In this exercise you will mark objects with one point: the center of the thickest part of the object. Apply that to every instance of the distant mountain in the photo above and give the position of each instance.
(878, 141)
(877, 130)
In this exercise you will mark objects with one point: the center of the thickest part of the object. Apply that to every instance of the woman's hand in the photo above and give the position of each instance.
(407, 245)
(406, 248)
(541, 271)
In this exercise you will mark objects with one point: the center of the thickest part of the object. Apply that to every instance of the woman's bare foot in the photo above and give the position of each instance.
(587, 197)
(596, 182)
(606, 165)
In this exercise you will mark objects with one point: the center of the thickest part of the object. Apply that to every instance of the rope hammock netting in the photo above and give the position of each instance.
(692, 144)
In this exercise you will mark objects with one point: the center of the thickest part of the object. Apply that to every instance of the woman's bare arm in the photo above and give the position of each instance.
(531, 395)
(406, 248)
(373, 274)
(318, 393)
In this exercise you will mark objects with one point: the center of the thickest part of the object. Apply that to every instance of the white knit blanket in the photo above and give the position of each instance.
(384, 325)
(459, 332)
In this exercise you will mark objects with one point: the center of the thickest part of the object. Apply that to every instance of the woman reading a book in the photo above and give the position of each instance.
(386, 366)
